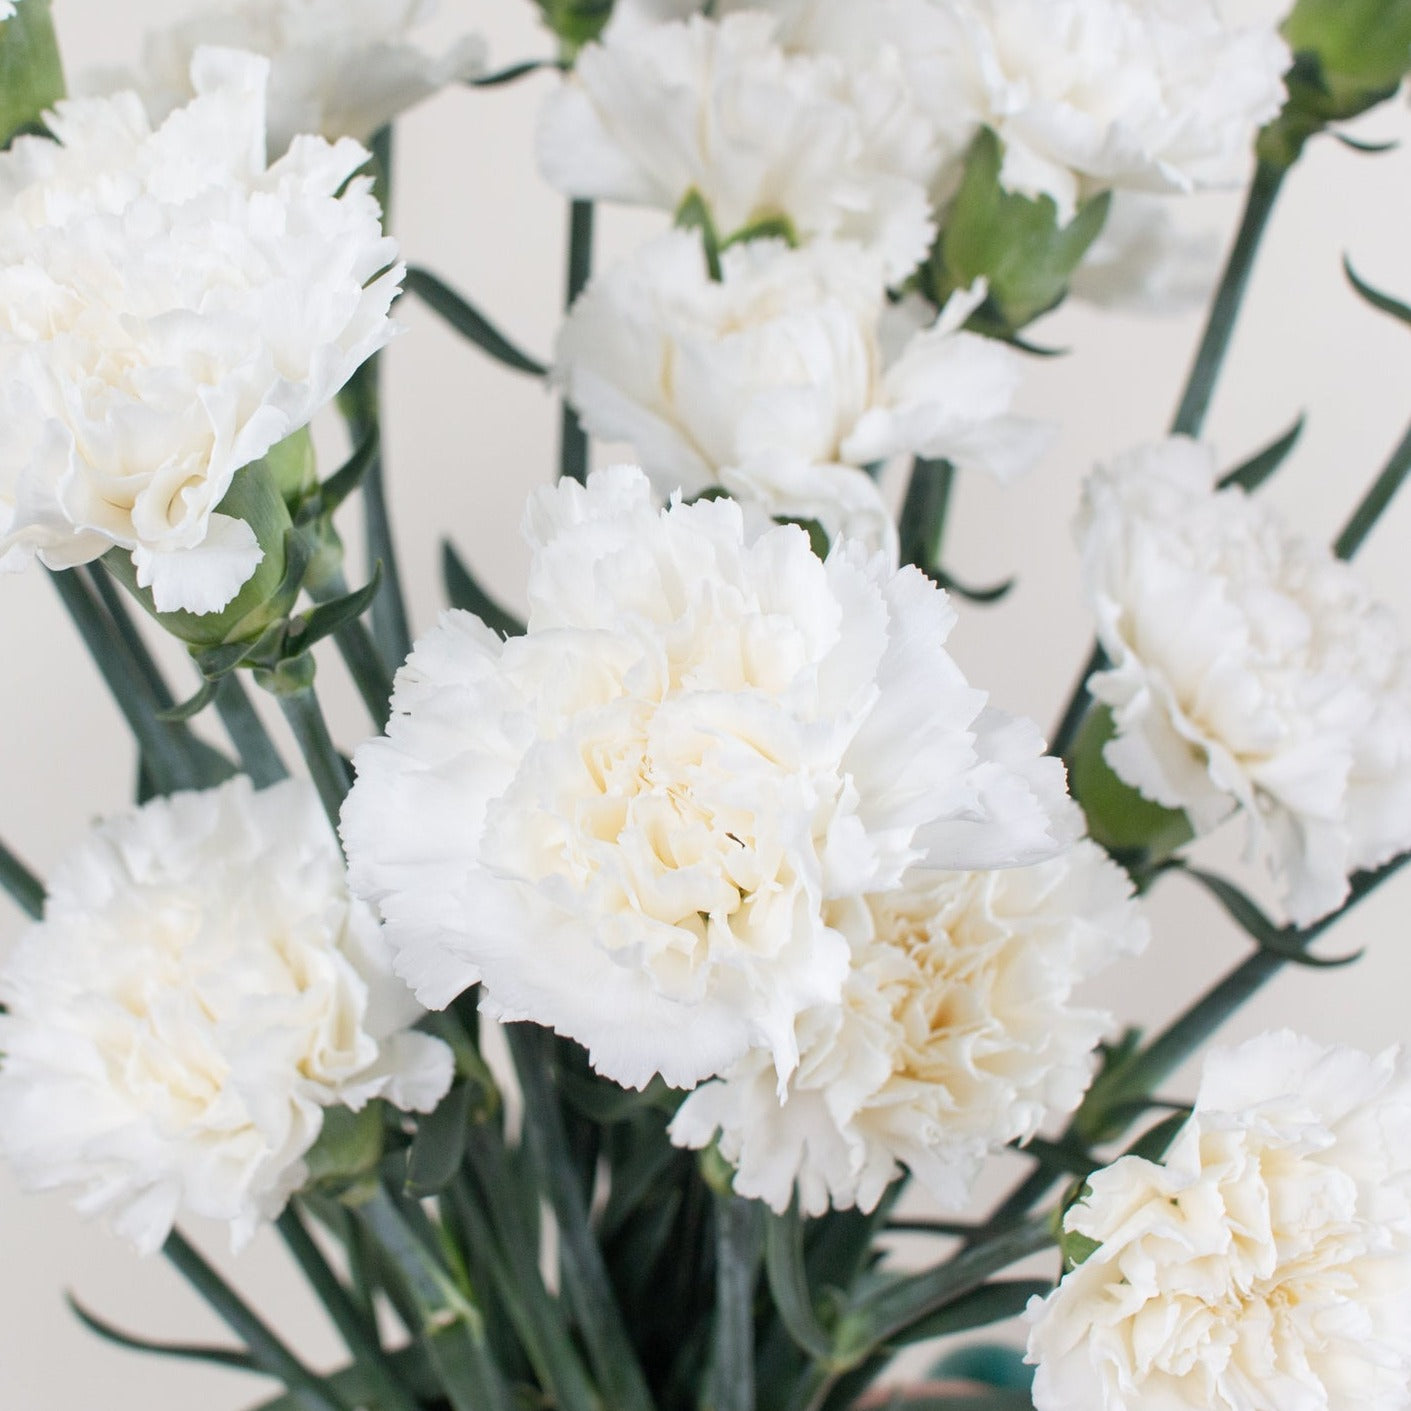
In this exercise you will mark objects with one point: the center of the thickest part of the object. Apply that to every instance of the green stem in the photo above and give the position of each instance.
(168, 750)
(739, 1237)
(590, 1291)
(923, 515)
(1077, 708)
(357, 1333)
(449, 1325)
(573, 441)
(258, 756)
(267, 1350)
(1375, 501)
(23, 886)
(1220, 327)
(329, 773)
(362, 657)
(116, 605)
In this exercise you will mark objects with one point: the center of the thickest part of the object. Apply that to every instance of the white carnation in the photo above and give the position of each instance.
(339, 68)
(1147, 262)
(956, 1034)
(170, 309)
(781, 380)
(1266, 1266)
(1249, 670)
(201, 988)
(1087, 95)
(837, 148)
(629, 824)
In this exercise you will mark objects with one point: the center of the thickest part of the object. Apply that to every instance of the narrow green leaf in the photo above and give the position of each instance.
(510, 73)
(1370, 149)
(464, 591)
(195, 1352)
(350, 475)
(1153, 1144)
(31, 72)
(981, 596)
(469, 322)
(190, 708)
(436, 1150)
(1062, 1156)
(769, 228)
(1382, 302)
(355, 1384)
(327, 618)
(990, 1303)
(574, 450)
(1250, 475)
(1375, 502)
(694, 214)
(1282, 941)
(266, 1351)
(26, 890)
(788, 1282)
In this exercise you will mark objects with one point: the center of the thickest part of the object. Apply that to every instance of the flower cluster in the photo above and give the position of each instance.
(1266, 1264)
(956, 1034)
(784, 378)
(338, 68)
(633, 823)
(201, 988)
(171, 309)
(1249, 670)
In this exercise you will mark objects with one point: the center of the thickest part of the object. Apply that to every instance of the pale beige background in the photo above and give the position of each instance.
(467, 440)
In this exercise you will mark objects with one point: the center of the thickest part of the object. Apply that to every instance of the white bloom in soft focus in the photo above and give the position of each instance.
(630, 823)
(200, 989)
(1265, 1267)
(1249, 670)
(1146, 261)
(956, 1034)
(339, 68)
(170, 309)
(1087, 95)
(837, 148)
(786, 376)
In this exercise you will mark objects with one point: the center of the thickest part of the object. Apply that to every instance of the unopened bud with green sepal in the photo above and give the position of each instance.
(1014, 242)
(576, 22)
(1349, 55)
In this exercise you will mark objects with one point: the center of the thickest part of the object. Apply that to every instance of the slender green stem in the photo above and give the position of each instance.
(573, 441)
(739, 1239)
(258, 756)
(116, 605)
(361, 656)
(1376, 500)
(329, 773)
(358, 1334)
(24, 887)
(450, 1327)
(168, 750)
(923, 515)
(1220, 327)
(265, 1347)
(590, 1291)
(1077, 707)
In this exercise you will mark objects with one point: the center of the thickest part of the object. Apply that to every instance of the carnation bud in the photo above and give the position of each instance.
(1119, 818)
(1349, 55)
(1012, 241)
(254, 496)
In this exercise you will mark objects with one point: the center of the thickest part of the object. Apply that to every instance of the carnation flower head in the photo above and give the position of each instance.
(629, 824)
(652, 114)
(1266, 1265)
(956, 1034)
(201, 988)
(339, 68)
(784, 378)
(1092, 95)
(170, 309)
(1249, 670)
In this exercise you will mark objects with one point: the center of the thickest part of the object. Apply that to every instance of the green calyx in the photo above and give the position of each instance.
(1349, 55)
(576, 22)
(255, 497)
(31, 72)
(1014, 242)
(1128, 826)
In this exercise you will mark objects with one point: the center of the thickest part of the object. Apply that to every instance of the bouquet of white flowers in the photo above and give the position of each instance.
(582, 1028)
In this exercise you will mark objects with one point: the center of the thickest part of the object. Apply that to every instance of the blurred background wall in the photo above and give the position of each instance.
(467, 441)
